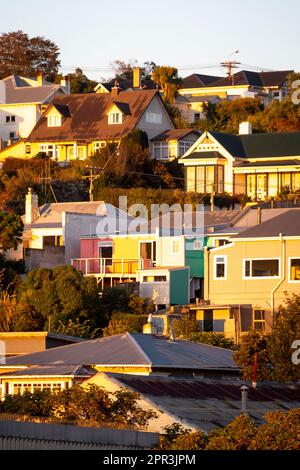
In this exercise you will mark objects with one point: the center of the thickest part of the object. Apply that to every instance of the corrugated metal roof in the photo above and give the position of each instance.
(56, 370)
(134, 350)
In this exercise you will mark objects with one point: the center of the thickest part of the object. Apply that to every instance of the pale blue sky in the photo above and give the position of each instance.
(92, 33)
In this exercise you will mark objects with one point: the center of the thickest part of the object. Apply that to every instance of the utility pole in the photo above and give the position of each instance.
(94, 176)
(230, 65)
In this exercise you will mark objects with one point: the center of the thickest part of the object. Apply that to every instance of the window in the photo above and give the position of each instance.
(196, 117)
(9, 119)
(17, 389)
(259, 319)
(27, 148)
(184, 145)
(190, 178)
(154, 278)
(175, 247)
(49, 149)
(207, 178)
(220, 267)
(11, 135)
(99, 146)
(115, 118)
(260, 268)
(294, 271)
(54, 121)
(80, 152)
(105, 250)
(148, 250)
(153, 118)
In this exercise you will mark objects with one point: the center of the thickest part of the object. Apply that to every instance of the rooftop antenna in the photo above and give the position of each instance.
(230, 65)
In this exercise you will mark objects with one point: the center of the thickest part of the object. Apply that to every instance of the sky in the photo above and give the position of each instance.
(192, 35)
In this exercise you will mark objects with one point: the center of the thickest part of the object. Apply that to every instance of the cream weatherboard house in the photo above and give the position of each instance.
(258, 165)
(264, 262)
(22, 101)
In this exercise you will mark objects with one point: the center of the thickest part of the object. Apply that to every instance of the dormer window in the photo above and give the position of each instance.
(115, 118)
(54, 120)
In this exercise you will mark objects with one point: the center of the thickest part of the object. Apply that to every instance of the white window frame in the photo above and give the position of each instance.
(99, 145)
(255, 278)
(176, 240)
(153, 118)
(43, 384)
(53, 120)
(112, 117)
(216, 278)
(289, 268)
(152, 249)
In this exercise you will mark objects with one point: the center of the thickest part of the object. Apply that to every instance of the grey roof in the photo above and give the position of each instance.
(51, 214)
(133, 350)
(20, 90)
(208, 404)
(52, 370)
(204, 155)
(287, 223)
(272, 163)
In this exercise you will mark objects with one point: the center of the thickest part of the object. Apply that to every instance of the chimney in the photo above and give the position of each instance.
(31, 207)
(245, 128)
(65, 82)
(244, 389)
(115, 89)
(40, 80)
(259, 211)
(136, 77)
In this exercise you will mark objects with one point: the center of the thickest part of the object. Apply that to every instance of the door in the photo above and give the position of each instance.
(261, 187)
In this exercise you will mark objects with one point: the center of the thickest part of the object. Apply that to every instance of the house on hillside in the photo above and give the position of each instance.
(22, 102)
(74, 127)
(264, 262)
(258, 165)
(197, 90)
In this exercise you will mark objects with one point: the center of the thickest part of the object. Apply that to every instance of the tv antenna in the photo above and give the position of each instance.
(230, 65)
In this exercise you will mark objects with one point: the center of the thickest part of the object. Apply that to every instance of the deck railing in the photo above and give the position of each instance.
(121, 266)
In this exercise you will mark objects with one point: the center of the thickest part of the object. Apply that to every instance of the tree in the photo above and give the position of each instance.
(22, 55)
(285, 331)
(79, 83)
(279, 116)
(235, 436)
(125, 323)
(253, 343)
(124, 70)
(167, 78)
(11, 230)
(61, 295)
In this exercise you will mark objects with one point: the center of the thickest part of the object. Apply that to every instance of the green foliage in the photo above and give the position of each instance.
(22, 55)
(170, 433)
(188, 329)
(61, 295)
(235, 436)
(279, 116)
(252, 343)
(274, 350)
(11, 230)
(123, 323)
(281, 432)
(79, 83)
(78, 404)
(168, 80)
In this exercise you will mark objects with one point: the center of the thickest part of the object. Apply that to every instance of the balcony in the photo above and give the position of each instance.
(110, 266)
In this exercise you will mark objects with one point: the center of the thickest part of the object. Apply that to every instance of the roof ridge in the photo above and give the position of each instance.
(136, 344)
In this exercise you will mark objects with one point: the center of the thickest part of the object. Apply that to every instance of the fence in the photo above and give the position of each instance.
(39, 436)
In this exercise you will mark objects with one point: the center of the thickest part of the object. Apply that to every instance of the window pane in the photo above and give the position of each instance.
(285, 181)
(200, 179)
(265, 267)
(190, 178)
(210, 179)
(259, 314)
(296, 181)
(220, 179)
(220, 270)
(247, 269)
(295, 269)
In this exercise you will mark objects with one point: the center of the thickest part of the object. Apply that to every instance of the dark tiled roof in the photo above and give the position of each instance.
(203, 155)
(197, 80)
(89, 120)
(133, 350)
(175, 134)
(128, 84)
(269, 163)
(278, 144)
(288, 224)
(62, 109)
(243, 77)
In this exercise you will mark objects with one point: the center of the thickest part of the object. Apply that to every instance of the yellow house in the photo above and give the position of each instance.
(74, 127)
(254, 272)
(197, 89)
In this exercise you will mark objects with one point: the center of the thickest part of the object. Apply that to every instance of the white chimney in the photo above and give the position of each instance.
(40, 80)
(31, 207)
(245, 128)
(65, 82)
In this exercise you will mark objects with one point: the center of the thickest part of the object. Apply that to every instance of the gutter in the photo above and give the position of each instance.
(283, 244)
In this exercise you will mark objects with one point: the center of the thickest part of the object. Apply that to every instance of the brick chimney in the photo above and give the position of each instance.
(136, 77)
(115, 89)
(31, 207)
(40, 80)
